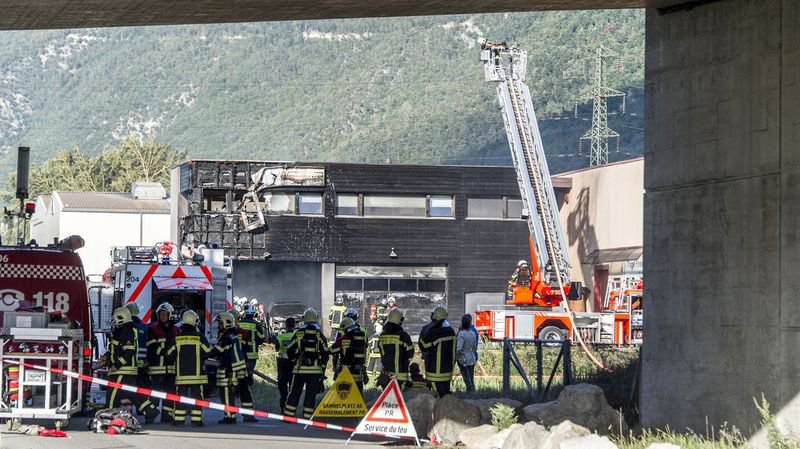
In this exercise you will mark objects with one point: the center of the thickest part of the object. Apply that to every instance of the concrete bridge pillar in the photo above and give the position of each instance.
(722, 215)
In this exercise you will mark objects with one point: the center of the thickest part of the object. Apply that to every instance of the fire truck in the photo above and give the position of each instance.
(149, 276)
(537, 307)
(46, 322)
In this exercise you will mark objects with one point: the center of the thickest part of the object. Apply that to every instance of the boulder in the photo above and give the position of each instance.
(561, 432)
(582, 404)
(663, 446)
(475, 437)
(451, 416)
(486, 404)
(420, 406)
(592, 441)
(486, 436)
(528, 436)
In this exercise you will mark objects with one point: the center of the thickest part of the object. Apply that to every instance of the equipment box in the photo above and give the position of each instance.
(31, 320)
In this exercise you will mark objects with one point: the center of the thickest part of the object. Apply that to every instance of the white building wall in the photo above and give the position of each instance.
(605, 210)
(44, 222)
(155, 228)
(103, 230)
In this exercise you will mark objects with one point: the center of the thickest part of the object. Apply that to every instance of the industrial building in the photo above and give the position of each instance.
(424, 235)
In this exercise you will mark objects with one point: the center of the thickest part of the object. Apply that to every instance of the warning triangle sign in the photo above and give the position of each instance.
(178, 274)
(343, 399)
(389, 416)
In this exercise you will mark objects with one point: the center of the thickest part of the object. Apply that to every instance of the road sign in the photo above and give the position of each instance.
(388, 416)
(343, 399)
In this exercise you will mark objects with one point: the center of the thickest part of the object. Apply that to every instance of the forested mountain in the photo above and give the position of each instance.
(405, 90)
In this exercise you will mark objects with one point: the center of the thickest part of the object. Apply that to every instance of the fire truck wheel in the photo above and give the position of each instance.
(61, 424)
(551, 333)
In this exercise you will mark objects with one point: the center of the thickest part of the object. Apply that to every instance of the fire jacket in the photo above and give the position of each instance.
(186, 355)
(439, 349)
(396, 350)
(122, 349)
(159, 338)
(308, 350)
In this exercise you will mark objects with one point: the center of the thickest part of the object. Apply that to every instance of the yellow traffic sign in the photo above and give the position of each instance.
(343, 399)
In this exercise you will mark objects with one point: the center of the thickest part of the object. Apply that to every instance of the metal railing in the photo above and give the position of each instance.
(510, 358)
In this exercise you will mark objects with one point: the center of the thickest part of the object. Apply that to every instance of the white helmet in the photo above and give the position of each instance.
(522, 262)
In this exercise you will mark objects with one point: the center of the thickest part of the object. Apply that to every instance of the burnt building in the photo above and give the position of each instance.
(424, 235)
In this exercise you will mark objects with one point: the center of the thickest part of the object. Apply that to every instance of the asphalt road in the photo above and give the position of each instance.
(264, 434)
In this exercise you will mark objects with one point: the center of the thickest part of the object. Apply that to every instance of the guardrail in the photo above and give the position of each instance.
(510, 358)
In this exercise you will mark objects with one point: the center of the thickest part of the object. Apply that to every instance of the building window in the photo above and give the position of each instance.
(432, 285)
(394, 206)
(485, 208)
(279, 203)
(514, 211)
(441, 206)
(403, 285)
(347, 205)
(309, 204)
(376, 284)
(348, 284)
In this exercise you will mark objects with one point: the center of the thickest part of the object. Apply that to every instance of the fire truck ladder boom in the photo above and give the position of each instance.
(506, 66)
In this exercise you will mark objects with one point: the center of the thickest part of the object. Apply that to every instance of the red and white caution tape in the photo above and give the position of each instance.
(196, 402)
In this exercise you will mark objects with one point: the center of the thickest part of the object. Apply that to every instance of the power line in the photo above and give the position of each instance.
(599, 133)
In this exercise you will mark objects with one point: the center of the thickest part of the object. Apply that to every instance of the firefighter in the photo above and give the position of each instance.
(351, 347)
(520, 276)
(256, 338)
(123, 364)
(335, 316)
(417, 379)
(308, 350)
(160, 337)
(353, 315)
(143, 380)
(232, 362)
(285, 367)
(186, 355)
(439, 349)
(396, 349)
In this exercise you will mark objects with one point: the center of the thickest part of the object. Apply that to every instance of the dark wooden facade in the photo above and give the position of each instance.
(479, 254)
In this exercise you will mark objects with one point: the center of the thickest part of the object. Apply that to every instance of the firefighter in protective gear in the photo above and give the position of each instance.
(353, 315)
(143, 380)
(160, 336)
(123, 367)
(232, 362)
(439, 349)
(351, 347)
(520, 277)
(396, 349)
(255, 338)
(308, 350)
(186, 355)
(285, 366)
(336, 315)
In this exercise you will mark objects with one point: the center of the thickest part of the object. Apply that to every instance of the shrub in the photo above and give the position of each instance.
(503, 416)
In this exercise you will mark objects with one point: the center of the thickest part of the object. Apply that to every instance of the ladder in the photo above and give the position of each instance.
(506, 66)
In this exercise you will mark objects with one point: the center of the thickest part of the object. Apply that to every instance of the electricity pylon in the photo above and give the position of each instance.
(599, 133)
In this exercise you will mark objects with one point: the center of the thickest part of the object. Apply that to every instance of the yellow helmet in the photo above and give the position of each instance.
(395, 316)
(226, 320)
(133, 307)
(190, 317)
(310, 316)
(346, 323)
(439, 313)
(121, 315)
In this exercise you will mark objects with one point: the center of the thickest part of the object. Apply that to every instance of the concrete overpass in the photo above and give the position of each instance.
(722, 158)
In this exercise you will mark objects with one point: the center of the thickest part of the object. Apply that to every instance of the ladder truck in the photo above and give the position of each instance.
(533, 310)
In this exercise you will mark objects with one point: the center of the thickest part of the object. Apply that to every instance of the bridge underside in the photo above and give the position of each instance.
(50, 14)
(722, 161)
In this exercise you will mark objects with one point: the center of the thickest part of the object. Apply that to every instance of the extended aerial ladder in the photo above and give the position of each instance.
(550, 264)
